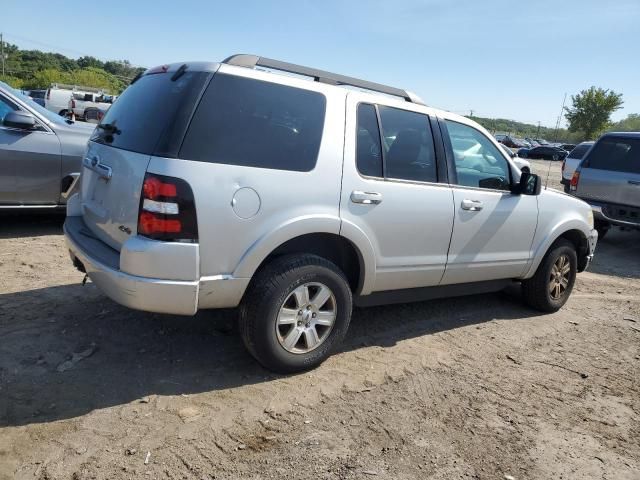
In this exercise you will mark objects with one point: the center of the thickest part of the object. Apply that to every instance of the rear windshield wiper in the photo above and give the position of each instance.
(178, 73)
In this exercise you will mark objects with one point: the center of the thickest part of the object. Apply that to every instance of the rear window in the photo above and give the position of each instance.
(151, 115)
(579, 151)
(247, 122)
(617, 154)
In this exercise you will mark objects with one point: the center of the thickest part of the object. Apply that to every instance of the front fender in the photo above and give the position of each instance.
(556, 232)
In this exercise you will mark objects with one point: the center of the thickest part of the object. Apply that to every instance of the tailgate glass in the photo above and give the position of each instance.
(149, 118)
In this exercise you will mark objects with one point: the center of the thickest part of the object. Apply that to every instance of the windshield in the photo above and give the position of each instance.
(52, 117)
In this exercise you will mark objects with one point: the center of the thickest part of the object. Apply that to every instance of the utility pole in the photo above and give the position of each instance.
(470, 113)
(538, 132)
(2, 53)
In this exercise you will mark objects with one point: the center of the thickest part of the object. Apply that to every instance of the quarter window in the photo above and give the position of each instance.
(368, 148)
(478, 161)
(247, 122)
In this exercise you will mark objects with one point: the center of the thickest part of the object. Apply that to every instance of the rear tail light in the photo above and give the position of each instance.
(573, 186)
(167, 210)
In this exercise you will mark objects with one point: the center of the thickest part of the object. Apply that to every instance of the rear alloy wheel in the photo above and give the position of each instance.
(295, 312)
(549, 289)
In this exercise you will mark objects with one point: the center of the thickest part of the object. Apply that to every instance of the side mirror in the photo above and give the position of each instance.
(21, 120)
(512, 154)
(529, 184)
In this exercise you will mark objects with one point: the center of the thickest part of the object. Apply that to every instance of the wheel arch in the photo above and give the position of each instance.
(322, 236)
(571, 231)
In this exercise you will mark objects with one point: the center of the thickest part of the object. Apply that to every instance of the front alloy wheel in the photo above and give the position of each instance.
(549, 288)
(559, 277)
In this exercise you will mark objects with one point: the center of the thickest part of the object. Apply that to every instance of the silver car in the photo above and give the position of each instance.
(296, 198)
(40, 153)
(609, 179)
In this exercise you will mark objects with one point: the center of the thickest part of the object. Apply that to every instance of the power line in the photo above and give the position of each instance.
(64, 49)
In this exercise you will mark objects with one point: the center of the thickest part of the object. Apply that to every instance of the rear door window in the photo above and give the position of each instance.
(248, 122)
(407, 141)
(152, 114)
(617, 154)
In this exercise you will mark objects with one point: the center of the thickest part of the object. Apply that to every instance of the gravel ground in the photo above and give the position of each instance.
(476, 387)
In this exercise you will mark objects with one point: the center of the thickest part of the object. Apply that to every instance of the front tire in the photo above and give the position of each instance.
(549, 289)
(295, 313)
(602, 228)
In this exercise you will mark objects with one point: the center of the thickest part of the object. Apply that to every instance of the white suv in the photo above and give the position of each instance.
(295, 198)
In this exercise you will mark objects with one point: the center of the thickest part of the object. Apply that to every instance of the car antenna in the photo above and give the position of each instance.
(546, 182)
(555, 138)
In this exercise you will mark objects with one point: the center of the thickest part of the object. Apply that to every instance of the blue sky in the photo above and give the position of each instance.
(500, 58)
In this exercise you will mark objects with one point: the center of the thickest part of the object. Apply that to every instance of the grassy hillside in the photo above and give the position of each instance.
(33, 69)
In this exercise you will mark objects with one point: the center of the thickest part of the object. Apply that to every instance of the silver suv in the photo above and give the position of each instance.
(609, 179)
(295, 198)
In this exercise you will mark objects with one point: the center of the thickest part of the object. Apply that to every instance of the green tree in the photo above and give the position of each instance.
(629, 124)
(12, 81)
(591, 111)
(88, 61)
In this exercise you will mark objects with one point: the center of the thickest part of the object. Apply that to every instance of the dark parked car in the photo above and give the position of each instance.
(568, 146)
(543, 152)
(510, 141)
(40, 153)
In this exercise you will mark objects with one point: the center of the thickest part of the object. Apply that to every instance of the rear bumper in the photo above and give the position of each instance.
(602, 212)
(182, 297)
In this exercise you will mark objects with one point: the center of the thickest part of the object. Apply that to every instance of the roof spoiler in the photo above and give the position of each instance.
(252, 61)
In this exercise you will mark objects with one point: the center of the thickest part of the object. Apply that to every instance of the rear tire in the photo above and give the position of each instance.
(549, 289)
(278, 314)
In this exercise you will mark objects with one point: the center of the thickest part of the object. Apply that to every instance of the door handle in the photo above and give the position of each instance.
(471, 205)
(366, 198)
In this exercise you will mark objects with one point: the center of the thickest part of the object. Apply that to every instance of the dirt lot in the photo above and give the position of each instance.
(477, 387)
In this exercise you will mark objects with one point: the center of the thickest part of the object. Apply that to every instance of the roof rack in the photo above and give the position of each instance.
(252, 61)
